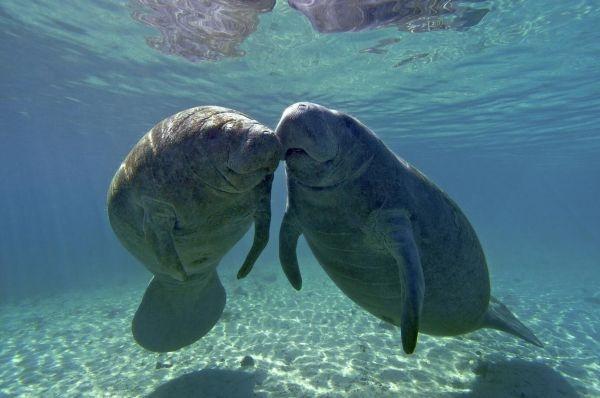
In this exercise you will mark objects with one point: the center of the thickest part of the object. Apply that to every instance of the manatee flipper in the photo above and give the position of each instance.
(158, 223)
(499, 317)
(175, 314)
(288, 241)
(262, 224)
(395, 231)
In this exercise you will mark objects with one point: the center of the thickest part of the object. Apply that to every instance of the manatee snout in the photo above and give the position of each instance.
(305, 127)
(259, 152)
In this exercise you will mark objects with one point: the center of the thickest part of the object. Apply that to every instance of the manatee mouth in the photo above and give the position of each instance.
(229, 186)
(298, 158)
(300, 154)
(240, 182)
(295, 152)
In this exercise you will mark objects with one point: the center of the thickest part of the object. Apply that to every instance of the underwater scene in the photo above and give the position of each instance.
(299, 198)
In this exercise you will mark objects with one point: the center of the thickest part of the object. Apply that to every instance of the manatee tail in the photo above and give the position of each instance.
(499, 317)
(174, 314)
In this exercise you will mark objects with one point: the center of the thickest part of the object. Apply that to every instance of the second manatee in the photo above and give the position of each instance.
(389, 238)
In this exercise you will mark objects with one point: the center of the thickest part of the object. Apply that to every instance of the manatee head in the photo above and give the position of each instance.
(322, 147)
(233, 153)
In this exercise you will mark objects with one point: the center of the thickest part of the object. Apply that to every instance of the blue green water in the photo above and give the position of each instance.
(504, 116)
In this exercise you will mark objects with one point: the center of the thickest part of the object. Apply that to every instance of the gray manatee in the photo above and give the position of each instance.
(390, 239)
(184, 195)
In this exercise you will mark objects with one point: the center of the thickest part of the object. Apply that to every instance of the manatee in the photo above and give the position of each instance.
(329, 16)
(389, 238)
(184, 195)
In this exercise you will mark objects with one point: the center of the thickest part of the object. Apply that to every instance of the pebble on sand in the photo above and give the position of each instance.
(247, 362)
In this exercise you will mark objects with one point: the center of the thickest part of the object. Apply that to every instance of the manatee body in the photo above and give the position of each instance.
(184, 195)
(390, 239)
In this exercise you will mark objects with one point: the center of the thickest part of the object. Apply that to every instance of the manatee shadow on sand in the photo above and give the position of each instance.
(519, 378)
(210, 383)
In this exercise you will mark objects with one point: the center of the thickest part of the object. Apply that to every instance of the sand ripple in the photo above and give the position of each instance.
(304, 344)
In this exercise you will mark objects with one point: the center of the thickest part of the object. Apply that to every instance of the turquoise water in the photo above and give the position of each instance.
(504, 116)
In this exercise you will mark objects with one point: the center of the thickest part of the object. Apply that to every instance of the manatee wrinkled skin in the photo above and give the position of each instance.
(184, 195)
(390, 239)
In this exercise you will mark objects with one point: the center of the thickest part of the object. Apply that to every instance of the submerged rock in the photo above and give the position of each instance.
(247, 362)
(163, 365)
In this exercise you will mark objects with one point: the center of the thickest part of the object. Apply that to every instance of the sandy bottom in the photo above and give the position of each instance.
(313, 343)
